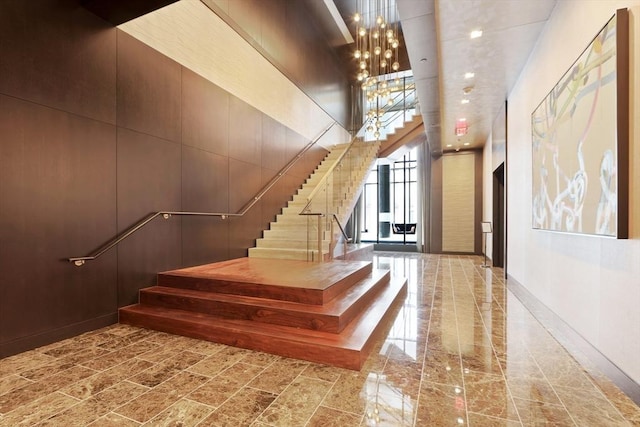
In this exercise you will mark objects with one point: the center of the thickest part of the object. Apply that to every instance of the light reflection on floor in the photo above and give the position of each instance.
(462, 350)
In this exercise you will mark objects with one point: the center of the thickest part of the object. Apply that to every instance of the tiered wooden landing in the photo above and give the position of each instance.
(322, 312)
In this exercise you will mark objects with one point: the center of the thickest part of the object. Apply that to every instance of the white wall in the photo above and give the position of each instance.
(592, 283)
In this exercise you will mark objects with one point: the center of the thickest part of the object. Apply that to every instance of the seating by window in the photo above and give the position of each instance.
(404, 228)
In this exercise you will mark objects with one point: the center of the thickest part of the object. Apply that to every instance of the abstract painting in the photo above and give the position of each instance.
(580, 141)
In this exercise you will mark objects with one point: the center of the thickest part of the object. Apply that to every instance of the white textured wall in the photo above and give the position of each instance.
(191, 34)
(593, 283)
(458, 203)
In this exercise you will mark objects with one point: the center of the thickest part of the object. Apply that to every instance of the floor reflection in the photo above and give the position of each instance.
(462, 350)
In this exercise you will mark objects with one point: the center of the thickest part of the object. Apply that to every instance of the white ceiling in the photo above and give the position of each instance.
(441, 52)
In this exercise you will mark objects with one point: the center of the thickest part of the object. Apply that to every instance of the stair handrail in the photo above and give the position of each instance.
(306, 210)
(80, 261)
(344, 234)
(326, 176)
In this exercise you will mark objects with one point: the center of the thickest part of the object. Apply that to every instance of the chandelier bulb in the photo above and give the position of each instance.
(395, 43)
(366, 54)
(363, 65)
(375, 34)
(389, 33)
(388, 53)
(376, 134)
(379, 20)
(377, 50)
(390, 102)
(383, 63)
(369, 128)
(362, 32)
(357, 54)
(360, 77)
(365, 73)
(395, 66)
(356, 17)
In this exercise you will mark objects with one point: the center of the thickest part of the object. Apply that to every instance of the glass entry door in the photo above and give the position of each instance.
(390, 201)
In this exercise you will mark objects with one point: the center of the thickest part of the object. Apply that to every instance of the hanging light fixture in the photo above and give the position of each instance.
(376, 55)
(376, 23)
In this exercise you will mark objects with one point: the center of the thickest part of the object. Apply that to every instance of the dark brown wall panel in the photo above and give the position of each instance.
(273, 144)
(149, 180)
(58, 54)
(149, 86)
(205, 114)
(248, 15)
(205, 181)
(204, 240)
(57, 192)
(245, 179)
(276, 31)
(205, 188)
(99, 130)
(245, 132)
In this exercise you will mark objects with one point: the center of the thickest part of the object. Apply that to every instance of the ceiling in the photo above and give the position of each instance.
(440, 52)
(437, 35)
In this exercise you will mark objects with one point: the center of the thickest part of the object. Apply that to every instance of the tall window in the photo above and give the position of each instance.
(390, 201)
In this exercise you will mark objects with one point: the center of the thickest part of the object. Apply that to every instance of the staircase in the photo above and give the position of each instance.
(322, 312)
(294, 236)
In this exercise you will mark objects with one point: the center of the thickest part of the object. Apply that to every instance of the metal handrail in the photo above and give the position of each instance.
(344, 234)
(306, 210)
(79, 261)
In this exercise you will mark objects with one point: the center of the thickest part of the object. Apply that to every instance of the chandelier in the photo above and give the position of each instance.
(376, 38)
(376, 54)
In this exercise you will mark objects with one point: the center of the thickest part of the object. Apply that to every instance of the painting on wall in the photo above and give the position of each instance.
(580, 136)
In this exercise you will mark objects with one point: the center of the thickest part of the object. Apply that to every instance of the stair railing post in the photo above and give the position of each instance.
(320, 238)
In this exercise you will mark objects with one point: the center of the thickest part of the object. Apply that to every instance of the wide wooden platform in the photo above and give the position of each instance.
(323, 312)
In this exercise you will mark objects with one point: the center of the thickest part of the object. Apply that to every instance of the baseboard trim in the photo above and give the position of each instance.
(570, 339)
(34, 341)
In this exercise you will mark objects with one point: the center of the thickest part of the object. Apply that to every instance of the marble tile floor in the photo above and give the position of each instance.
(461, 351)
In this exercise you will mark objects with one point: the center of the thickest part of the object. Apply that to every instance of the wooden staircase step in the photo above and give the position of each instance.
(347, 349)
(287, 280)
(331, 317)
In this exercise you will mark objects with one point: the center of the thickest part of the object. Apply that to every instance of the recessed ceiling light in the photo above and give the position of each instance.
(469, 75)
(466, 143)
(449, 145)
(423, 59)
(463, 119)
(464, 101)
(467, 90)
(475, 34)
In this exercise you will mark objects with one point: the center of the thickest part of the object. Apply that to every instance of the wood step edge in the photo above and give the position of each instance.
(331, 317)
(348, 349)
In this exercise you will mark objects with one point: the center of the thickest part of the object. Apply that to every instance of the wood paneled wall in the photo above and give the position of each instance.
(98, 130)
